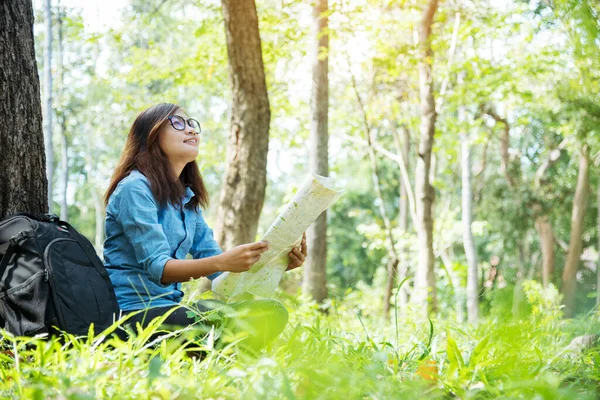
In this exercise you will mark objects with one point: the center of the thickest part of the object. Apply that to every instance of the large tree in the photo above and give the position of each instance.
(424, 295)
(23, 184)
(243, 188)
(315, 277)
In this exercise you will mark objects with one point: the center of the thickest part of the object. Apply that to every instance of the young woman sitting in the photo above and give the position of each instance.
(154, 220)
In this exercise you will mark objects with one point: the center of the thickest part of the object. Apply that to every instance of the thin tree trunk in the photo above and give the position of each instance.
(64, 143)
(543, 225)
(424, 295)
(64, 172)
(521, 260)
(404, 212)
(582, 193)
(243, 189)
(398, 273)
(48, 100)
(467, 221)
(459, 293)
(23, 184)
(99, 215)
(315, 273)
(546, 234)
(598, 265)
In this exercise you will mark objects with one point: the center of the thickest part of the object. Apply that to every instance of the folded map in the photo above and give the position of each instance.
(316, 194)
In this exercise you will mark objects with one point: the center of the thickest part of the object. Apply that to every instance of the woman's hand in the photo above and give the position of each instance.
(298, 255)
(241, 258)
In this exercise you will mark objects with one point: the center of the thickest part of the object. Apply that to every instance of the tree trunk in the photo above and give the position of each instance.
(598, 264)
(64, 171)
(459, 293)
(92, 181)
(23, 184)
(243, 189)
(315, 273)
(47, 111)
(403, 223)
(424, 296)
(397, 272)
(582, 193)
(469, 244)
(99, 215)
(544, 230)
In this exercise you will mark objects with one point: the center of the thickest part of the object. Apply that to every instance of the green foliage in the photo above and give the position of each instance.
(319, 356)
(545, 302)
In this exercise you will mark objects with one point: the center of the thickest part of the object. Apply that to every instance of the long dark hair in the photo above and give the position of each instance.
(142, 152)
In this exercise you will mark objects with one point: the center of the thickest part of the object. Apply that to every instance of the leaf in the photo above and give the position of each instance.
(154, 369)
(455, 358)
(479, 351)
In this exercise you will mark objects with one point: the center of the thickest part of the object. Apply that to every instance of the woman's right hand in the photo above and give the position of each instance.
(241, 258)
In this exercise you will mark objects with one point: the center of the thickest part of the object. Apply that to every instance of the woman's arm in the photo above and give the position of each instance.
(238, 259)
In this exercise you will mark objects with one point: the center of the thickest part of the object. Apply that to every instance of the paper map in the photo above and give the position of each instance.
(316, 194)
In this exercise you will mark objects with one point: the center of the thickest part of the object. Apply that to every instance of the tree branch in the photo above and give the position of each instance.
(451, 52)
(552, 157)
(504, 142)
(404, 172)
(375, 173)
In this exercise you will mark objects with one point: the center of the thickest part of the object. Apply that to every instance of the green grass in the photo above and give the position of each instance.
(349, 353)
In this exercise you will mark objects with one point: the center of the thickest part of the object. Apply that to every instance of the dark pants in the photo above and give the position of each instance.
(255, 322)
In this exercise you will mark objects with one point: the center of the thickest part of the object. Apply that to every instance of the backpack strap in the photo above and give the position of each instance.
(9, 247)
(8, 250)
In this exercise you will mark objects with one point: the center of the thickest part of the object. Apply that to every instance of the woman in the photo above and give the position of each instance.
(154, 220)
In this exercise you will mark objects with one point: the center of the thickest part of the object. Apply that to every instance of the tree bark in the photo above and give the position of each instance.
(582, 193)
(243, 189)
(424, 296)
(315, 273)
(23, 184)
(47, 111)
(546, 234)
(468, 243)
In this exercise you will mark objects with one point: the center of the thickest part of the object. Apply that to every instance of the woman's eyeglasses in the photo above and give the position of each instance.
(178, 123)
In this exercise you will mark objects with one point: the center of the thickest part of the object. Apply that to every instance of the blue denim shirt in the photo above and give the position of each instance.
(141, 236)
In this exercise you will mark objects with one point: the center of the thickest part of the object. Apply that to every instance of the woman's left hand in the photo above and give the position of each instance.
(298, 255)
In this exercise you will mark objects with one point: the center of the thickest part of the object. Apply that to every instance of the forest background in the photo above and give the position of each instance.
(465, 134)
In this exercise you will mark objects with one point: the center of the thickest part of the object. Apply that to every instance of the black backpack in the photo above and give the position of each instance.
(51, 278)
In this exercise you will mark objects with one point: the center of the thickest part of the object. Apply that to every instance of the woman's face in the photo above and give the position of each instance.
(180, 146)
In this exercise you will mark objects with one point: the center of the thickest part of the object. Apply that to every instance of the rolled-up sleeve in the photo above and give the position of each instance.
(204, 244)
(138, 213)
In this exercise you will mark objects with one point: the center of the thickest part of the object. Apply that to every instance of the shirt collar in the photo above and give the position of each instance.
(187, 196)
